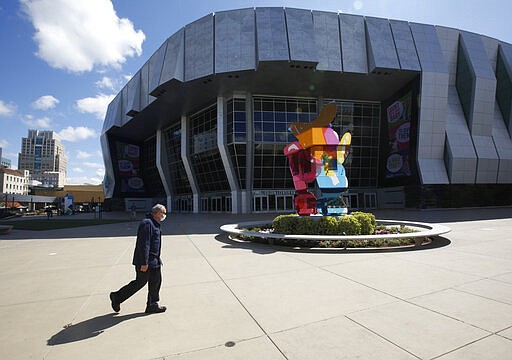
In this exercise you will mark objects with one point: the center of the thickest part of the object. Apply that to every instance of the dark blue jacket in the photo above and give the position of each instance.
(149, 244)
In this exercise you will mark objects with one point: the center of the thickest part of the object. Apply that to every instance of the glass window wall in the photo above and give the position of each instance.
(362, 120)
(179, 179)
(236, 132)
(205, 157)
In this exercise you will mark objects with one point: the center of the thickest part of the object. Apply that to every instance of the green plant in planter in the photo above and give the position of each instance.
(285, 224)
(349, 225)
(305, 225)
(367, 221)
(328, 225)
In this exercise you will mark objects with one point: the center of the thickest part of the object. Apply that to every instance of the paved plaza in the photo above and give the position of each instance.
(232, 300)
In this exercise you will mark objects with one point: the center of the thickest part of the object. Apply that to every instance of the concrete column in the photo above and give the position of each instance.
(185, 157)
(163, 168)
(224, 155)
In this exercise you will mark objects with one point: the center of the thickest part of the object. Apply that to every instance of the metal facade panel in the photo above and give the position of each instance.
(113, 115)
(428, 48)
(145, 98)
(271, 36)
(504, 83)
(381, 47)
(133, 96)
(404, 44)
(235, 40)
(199, 48)
(479, 83)
(156, 64)
(353, 43)
(477, 55)
(327, 40)
(299, 24)
(174, 61)
(124, 106)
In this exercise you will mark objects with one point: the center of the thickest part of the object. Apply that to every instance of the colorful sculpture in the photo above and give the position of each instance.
(319, 155)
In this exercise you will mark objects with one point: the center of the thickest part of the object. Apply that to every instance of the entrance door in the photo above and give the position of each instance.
(370, 200)
(260, 203)
(280, 202)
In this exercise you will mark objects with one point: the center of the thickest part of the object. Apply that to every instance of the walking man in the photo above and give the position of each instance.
(146, 258)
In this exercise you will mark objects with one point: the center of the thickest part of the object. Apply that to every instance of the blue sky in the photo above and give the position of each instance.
(62, 61)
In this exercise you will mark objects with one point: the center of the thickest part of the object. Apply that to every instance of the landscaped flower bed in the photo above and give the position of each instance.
(358, 223)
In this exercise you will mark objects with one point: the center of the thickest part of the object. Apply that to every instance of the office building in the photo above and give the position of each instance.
(42, 154)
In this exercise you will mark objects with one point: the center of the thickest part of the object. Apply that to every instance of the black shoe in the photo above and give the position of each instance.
(154, 309)
(113, 301)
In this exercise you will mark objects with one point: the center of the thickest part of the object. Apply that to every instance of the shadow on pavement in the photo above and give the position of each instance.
(89, 328)
(209, 223)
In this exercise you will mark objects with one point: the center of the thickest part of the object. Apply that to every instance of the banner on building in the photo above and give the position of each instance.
(128, 161)
(398, 116)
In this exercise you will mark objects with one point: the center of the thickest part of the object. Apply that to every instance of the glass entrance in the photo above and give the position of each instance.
(370, 200)
(260, 203)
(284, 202)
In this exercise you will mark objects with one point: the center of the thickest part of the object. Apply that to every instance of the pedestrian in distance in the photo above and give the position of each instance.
(146, 258)
(133, 210)
(49, 212)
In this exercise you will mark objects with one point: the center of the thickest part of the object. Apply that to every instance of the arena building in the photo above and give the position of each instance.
(203, 124)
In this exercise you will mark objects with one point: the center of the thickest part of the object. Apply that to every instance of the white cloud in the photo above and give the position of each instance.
(45, 102)
(358, 5)
(95, 105)
(79, 35)
(100, 172)
(73, 134)
(6, 109)
(41, 123)
(4, 143)
(93, 165)
(83, 154)
(78, 170)
(105, 83)
(83, 180)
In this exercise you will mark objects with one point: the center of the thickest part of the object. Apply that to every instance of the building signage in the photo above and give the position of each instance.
(399, 116)
(273, 192)
(128, 162)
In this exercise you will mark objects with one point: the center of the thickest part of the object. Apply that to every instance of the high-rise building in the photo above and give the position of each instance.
(4, 163)
(42, 153)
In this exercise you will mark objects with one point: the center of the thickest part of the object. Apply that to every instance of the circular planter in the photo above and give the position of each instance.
(423, 231)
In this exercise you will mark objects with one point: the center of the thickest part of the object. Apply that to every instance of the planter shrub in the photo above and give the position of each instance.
(285, 224)
(349, 225)
(304, 225)
(328, 225)
(367, 221)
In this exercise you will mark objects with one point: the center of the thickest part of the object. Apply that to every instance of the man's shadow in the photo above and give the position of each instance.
(89, 328)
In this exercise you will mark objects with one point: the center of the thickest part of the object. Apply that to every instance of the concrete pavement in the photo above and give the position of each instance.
(231, 300)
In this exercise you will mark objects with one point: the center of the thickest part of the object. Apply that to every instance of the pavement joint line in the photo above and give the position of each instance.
(382, 337)
(481, 296)
(239, 301)
(238, 341)
(90, 295)
(44, 300)
(409, 302)
(452, 270)
(462, 346)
